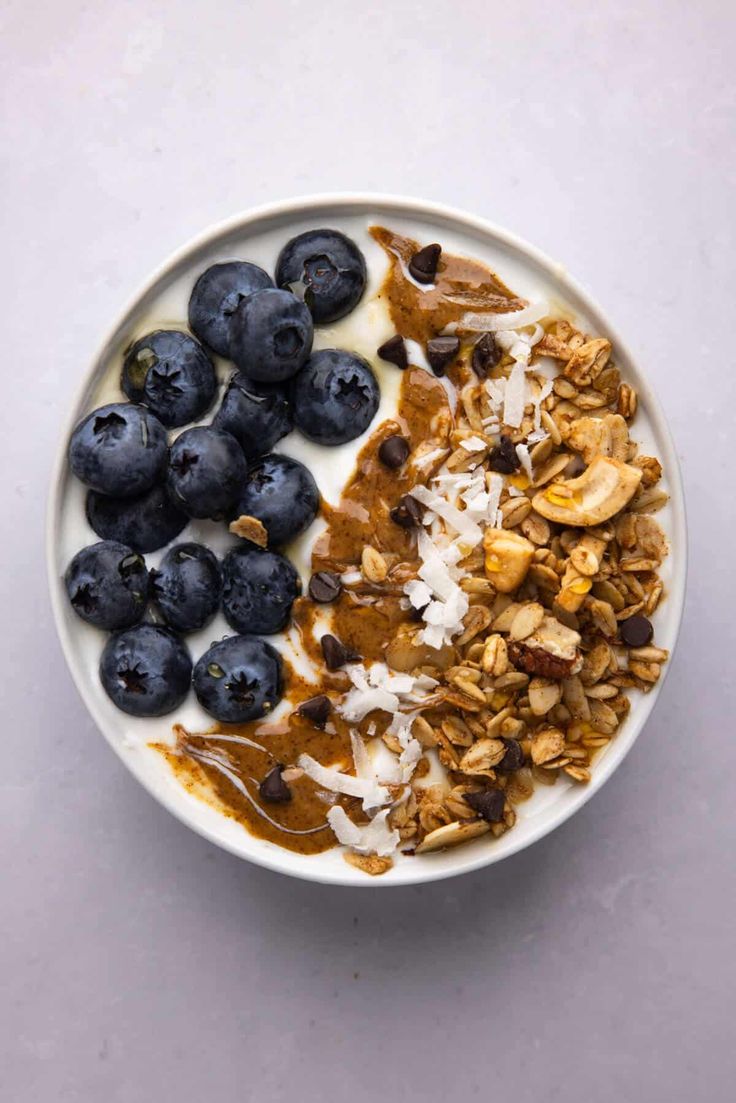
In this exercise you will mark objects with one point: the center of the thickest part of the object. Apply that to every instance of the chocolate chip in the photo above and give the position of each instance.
(393, 451)
(488, 804)
(503, 457)
(273, 788)
(636, 631)
(423, 265)
(513, 759)
(394, 351)
(336, 654)
(325, 586)
(486, 355)
(441, 351)
(316, 710)
(407, 513)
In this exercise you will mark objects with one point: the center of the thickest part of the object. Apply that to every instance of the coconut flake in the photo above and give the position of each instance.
(361, 758)
(515, 397)
(513, 319)
(375, 837)
(537, 401)
(449, 513)
(434, 570)
(428, 457)
(525, 459)
(378, 688)
(473, 444)
(418, 592)
(495, 489)
(350, 578)
(369, 791)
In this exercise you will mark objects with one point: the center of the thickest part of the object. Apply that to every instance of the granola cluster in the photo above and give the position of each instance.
(559, 595)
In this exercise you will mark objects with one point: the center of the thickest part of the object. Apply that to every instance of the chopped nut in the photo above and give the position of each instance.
(373, 565)
(250, 528)
(507, 558)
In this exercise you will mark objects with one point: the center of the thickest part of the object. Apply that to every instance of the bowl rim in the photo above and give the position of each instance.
(342, 202)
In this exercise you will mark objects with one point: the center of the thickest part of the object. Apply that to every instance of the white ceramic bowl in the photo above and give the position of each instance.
(257, 235)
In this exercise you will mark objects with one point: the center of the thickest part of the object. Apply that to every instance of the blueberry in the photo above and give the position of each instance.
(146, 523)
(186, 587)
(171, 373)
(257, 417)
(239, 679)
(107, 584)
(258, 590)
(335, 397)
(206, 472)
(282, 494)
(330, 268)
(216, 296)
(271, 335)
(118, 449)
(146, 671)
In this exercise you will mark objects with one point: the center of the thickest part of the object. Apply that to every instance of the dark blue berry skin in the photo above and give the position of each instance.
(282, 494)
(271, 336)
(239, 679)
(146, 671)
(207, 470)
(259, 588)
(107, 584)
(170, 372)
(119, 449)
(146, 523)
(217, 295)
(331, 269)
(256, 416)
(335, 397)
(186, 587)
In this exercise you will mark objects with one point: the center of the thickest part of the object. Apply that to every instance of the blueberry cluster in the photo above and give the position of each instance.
(143, 487)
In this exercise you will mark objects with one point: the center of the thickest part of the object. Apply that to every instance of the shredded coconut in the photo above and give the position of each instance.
(514, 319)
(473, 444)
(515, 396)
(375, 837)
(525, 459)
(370, 792)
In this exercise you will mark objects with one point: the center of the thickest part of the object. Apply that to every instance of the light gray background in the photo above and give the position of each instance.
(137, 962)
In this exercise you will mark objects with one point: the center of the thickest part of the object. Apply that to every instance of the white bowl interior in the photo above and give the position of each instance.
(257, 236)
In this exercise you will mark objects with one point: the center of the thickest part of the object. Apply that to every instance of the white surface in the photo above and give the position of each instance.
(259, 237)
(138, 961)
